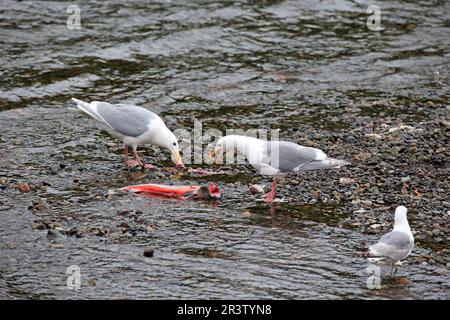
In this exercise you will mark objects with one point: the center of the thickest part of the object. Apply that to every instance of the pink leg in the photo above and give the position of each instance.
(125, 151)
(270, 195)
(138, 159)
(136, 156)
(129, 163)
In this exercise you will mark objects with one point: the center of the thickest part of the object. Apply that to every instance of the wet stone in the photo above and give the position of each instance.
(148, 252)
(54, 235)
(24, 187)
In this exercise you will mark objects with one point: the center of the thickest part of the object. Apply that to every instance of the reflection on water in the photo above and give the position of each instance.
(238, 65)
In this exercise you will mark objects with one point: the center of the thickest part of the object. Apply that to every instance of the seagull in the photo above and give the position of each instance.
(135, 126)
(275, 158)
(395, 245)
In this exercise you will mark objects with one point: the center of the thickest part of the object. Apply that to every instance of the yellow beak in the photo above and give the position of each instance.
(213, 153)
(178, 160)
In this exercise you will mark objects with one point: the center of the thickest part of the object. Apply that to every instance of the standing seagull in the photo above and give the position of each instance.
(275, 158)
(134, 125)
(395, 245)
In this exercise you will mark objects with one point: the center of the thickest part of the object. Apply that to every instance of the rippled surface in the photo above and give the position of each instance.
(242, 64)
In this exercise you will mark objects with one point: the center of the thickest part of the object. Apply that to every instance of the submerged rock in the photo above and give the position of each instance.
(149, 251)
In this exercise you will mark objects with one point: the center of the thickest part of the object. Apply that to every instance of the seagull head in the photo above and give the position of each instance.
(218, 150)
(400, 214)
(401, 222)
(170, 142)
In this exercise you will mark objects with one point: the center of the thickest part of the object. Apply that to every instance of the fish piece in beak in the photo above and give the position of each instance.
(217, 155)
(178, 161)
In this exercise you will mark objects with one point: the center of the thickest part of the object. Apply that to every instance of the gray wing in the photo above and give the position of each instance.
(290, 155)
(395, 245)
(128, 120)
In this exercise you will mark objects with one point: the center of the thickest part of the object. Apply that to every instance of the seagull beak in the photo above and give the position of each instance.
(179, 161)
(217, 155)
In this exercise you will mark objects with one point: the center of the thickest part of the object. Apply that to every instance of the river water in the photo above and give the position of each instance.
(227, 64)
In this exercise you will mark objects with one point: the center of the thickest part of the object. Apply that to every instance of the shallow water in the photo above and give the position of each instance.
(283, 64)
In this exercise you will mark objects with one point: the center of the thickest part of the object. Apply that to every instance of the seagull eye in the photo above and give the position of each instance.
(174, 143)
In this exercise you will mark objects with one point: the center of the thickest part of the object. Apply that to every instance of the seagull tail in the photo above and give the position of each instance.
(327, 163)
(86, 108)
(80, 102)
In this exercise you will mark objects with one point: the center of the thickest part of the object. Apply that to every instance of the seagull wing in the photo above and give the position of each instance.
(291, 157)
(127, 120)
(394, 245)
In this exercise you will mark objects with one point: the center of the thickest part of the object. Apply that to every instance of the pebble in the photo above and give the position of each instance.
(256, 189)
(246, 213)
(405, 179)
(148, 252)
(346, 181)
(92, 282)
(40, 206)
(403, 281)
(24, 187)
(53, 234)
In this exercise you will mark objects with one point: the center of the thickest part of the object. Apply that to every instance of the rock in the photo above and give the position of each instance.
(356, 224)
(404, 189)
(405, 179)
(92, 283)
(409, 26)
(375, 136)
(346, 181)
(3, 185)
(148, 252)
(256, 189)
(403, 281)
(77, 232)
(337, 195)
(53, 234)
(363, 187)
(445, 123)
(246, 213)
(366, 203)
(436, 232)
(24, 187)
(40, 206)
(57, 245)
(40, 226)
(401, 127)
(362, 156)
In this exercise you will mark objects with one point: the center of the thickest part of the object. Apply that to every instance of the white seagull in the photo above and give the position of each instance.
(134, 126)
(395, 245)
(275, 158)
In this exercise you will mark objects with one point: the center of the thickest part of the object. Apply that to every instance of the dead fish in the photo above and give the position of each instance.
(211, 192)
